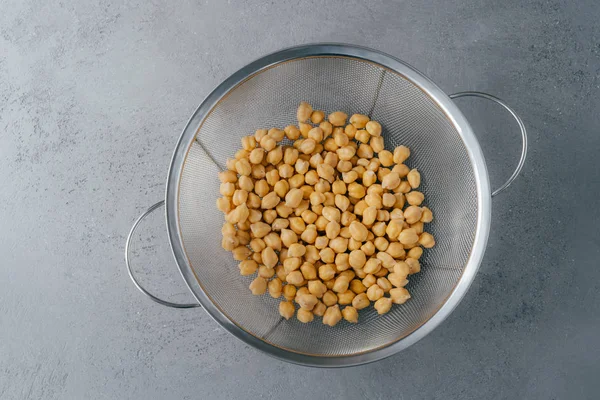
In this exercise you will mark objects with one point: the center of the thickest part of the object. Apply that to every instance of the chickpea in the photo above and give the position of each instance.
(269, 258)
(312, 254)
(360, 301)
(243, 236)
(369, 280)
(307, 146)
(374, 292)
(397, 280)
(356, 190)
(414, 178)
(372, 266)
(319, 309)
(415, 252)
(258, 171)
(374, 200)
(383, 305)
(399, 295)
(317, 288)
(396, 250)
(426, 215)
(384, 284)
(292, 132)
(289, 292)
(307, 301)
(248, 267)
(260, 229)
(275, 286)
(288, 237)
(304, 112)
(295, 278)
(414, 198)
(408, 237)
(365, 151)
(326, 171)
(296, 250)
(358, 231)
(404, 187)
(381, 243)
(265, 272)
(412, 214)
(346, 297)
(329, 298)
(229, 242)
(337, 118)
(297, 225)
(228, 177)
(357, 286)
(332, 230)
(332, 315)
(391, 181)
(258, 286)
(342, 262)
(413, 265)
(326, 272)
(309, 217)
(357, 259)
(377, 144)
(287, 309)
(369, 216)
(327, 255)
(401, 169)
(311, 177)
(426, 240)
(321, 242)
(341, 284)
(346, 153)
(349, 177)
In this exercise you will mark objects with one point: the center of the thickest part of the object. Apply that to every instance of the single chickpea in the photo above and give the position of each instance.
(265, 272)
(297, 225)
(377, 144)
(357, 259)
(415, 252)
(289, 292)
(326, 272)
(412, 214)
(243, 236)
(426, 215)
(415, 198)
(359, 121)
(369, 280)
(241, 253)
(397, 280)
(357, 286)
(317, 116)
(310, 234)
(319, 309)
(337, 118)
(295, 278)
(365, 151)
(346, 297)
(372, 266)
(332, 230)
(327, 128)
(349, 177)
(350, 314)
(342, 262)
(307, 146)
(260, 229)
(292, 132)
(332, 315)
(228, 177)
(384, 284)
(381, 243)
(369, 216)
(304, 316)
(408, 237)
(269, 258)
(413, 265)
(391, 181)
(399, 295)
(258, 286)
(404, 187)
(360, 301)
(307, 301)
(287, 309)
(288, 237)
(270, 201)
(224, 204)
(414, 178)
(346, 153)
(358, 231)
(401, 154)
(374, 292)
(329, 298)
(362, 136)
(248, 267)
(426, 240)
(296, 250)
(396, 250)
(383, 305)
(356, 190)
(304, 112)
(401, 169)
(374, 128)
(317, 288)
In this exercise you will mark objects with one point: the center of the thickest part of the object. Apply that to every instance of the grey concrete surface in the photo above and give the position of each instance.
(93, 95)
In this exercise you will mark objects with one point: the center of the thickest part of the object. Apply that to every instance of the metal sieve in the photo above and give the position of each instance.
(413, 111)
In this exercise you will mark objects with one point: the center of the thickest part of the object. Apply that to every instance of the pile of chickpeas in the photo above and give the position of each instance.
(334, 220)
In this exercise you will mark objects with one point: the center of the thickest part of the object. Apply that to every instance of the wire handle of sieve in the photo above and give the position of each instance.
(512, 112)
(128, 262)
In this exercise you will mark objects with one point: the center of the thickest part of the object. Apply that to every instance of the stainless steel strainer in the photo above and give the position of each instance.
(413, 111)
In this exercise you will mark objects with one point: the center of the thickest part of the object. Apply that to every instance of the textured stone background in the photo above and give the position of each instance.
(93, 95)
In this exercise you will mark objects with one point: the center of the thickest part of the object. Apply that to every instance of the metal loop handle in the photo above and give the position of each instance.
(135, 281)
(521, 126)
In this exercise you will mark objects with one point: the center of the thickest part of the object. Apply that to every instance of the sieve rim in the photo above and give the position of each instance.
(446, 105)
